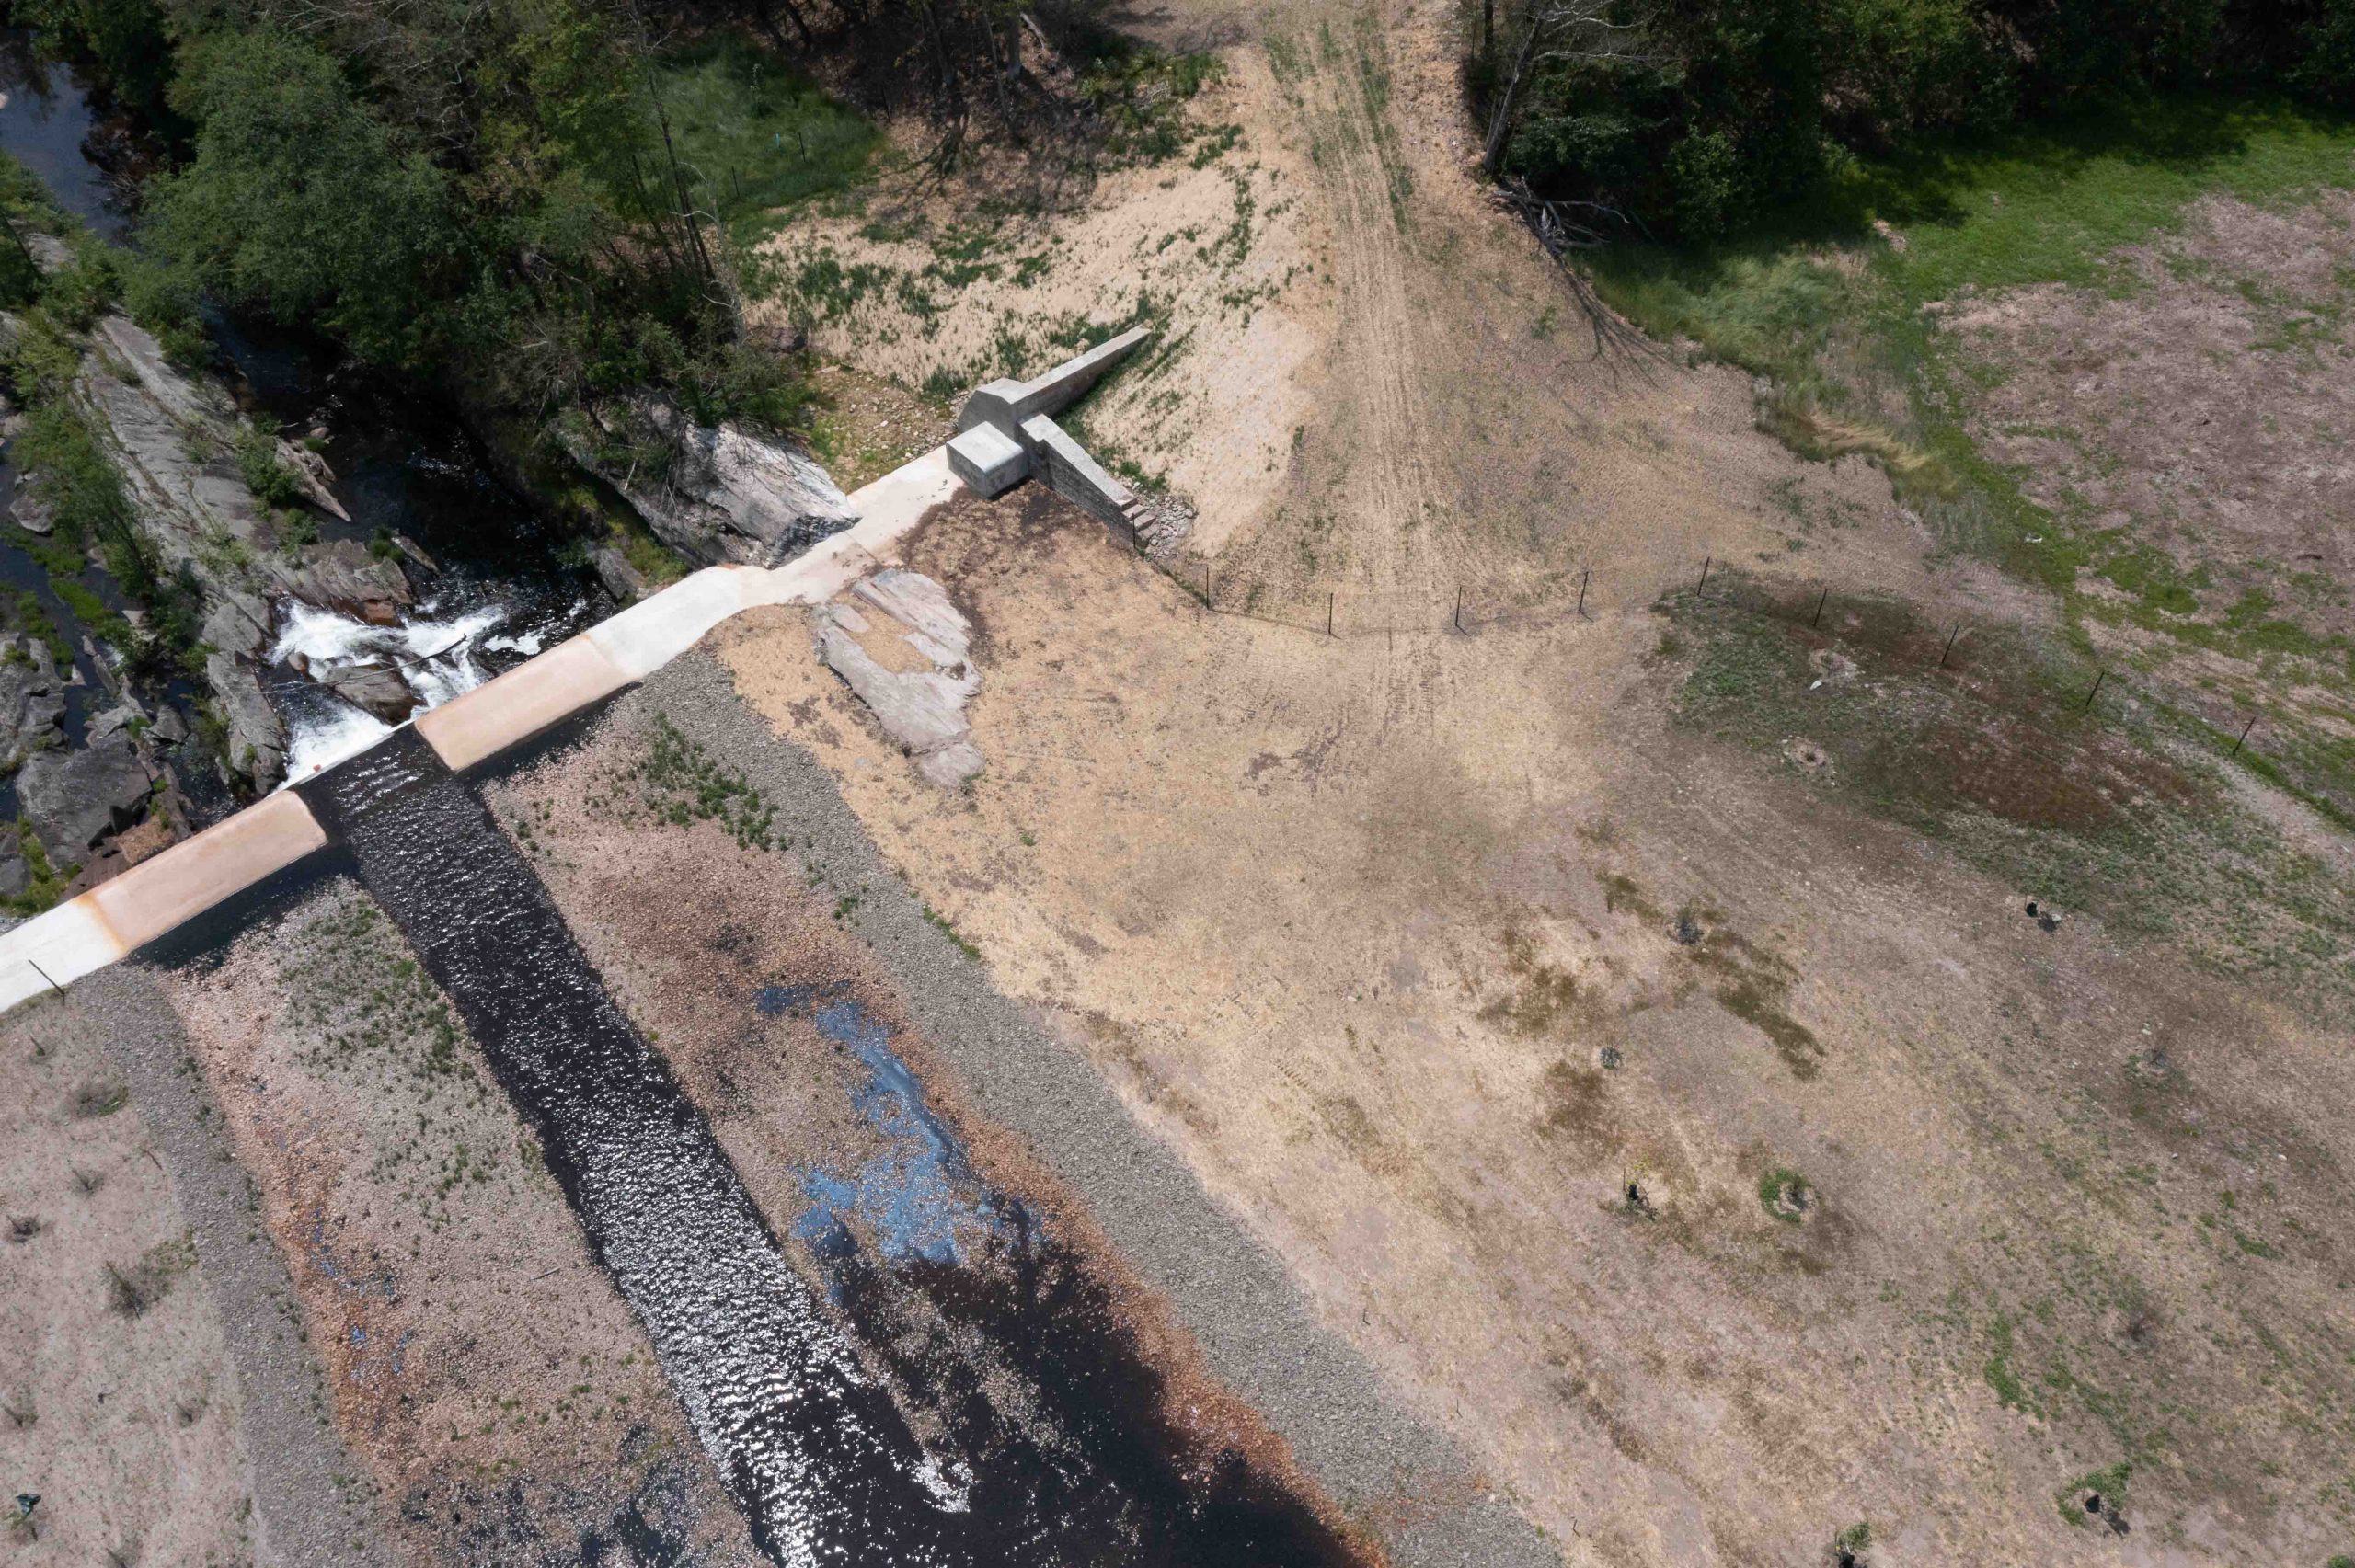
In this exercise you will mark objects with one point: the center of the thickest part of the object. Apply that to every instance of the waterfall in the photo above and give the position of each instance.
(439, 650)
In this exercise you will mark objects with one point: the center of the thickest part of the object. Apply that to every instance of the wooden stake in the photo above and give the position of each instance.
(1459, 607)
(1950, 647)
(1818, 607)
(2096, 692)
(2245, 729)
(1584, 573)
(1330, 600)
(1704, 574)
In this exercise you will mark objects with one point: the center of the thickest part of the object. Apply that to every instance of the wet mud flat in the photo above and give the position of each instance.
(919, 1369)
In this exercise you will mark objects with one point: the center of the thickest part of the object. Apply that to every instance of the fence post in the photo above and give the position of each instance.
(1950, 647)
(2098, 679)
(1818, 607)
(1584, 573)
(1329, 599)
(2245, 729)
(1459, 607)
(1704, 575)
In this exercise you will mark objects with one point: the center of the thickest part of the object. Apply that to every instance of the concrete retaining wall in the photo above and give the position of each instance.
(55, 949)
(1069, 473)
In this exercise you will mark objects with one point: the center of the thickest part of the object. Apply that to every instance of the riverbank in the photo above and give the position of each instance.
(422, 1236)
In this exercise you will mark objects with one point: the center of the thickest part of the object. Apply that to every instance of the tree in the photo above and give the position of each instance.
(299, 203)
(1555, 35)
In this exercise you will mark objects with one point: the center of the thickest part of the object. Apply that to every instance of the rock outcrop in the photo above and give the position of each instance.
(72, 800)
(172, 435)
(345, 577)
(907, 652)
(721, 495)
(32, 700)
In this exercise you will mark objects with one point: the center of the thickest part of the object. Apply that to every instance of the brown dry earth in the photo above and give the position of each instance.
(502, 1400)
(2207, 409)
(118, 1407)
(1356, 923)
(689, 927)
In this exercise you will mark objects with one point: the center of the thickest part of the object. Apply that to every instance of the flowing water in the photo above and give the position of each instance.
(501, 587)
(912, 1371)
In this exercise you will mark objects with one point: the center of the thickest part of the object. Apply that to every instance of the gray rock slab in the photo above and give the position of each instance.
(725, 494)
(918, 688)
(32, 699)
(73, 799)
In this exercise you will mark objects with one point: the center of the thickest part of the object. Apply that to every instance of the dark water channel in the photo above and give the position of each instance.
(954, 1388)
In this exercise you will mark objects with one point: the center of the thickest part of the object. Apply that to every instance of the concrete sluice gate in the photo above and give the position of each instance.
(953, 1388)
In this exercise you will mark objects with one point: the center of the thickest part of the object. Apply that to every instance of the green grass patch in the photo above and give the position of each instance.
(681, 784)
(755, 134)
(2108, 1484)
(1786, 1195)
(941, 921)
(2106, 809)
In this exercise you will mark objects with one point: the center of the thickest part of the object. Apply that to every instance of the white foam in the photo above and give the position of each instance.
(435, 656)
(326, 737)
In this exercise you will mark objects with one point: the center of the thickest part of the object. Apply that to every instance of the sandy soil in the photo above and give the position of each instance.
(694, 927)
(1352, 921)
(117, 1406)
(1387, 932)
(501, 1398)
(1368, 381)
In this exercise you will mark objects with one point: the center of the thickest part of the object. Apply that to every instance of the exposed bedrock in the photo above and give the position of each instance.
(716, 494)
(173, 436)
(907, 652)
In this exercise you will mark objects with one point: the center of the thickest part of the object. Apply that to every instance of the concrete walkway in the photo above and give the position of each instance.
(53, 950)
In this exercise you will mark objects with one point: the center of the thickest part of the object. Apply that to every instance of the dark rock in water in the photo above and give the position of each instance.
(73, 799)
(32, 699)
(376, 688)
(345, 577)
(725, 494)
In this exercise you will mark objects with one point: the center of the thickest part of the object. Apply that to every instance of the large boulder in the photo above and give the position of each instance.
(376, 688)
(898, 642)
(719, 494)
(344, 576)
(72, 800)
(257, 741)
(32, 699)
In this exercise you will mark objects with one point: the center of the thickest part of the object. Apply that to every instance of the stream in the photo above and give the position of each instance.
(955, 1389)
(502, 586)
